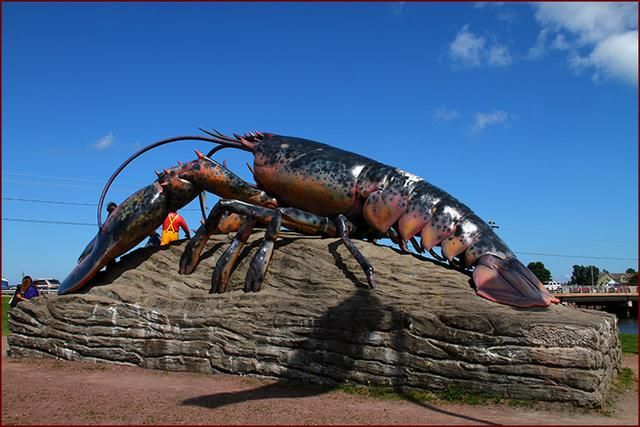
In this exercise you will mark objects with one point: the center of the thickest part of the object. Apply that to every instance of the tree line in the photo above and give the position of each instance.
(582, 275)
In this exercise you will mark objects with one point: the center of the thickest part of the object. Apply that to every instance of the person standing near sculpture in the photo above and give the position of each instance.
(170, 228)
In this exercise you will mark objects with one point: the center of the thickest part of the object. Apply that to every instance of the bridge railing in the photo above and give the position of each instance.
(622, 289)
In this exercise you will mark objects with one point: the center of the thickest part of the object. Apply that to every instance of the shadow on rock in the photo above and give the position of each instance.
(129, 261)
(333, 353)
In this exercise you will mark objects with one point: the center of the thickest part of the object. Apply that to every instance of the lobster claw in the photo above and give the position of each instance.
(130, 223)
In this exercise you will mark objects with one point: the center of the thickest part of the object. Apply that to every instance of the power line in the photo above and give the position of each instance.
(48, 221)
(578, 256)
(51, 184)
(50, 177)
(517, 252)
(53, 202)
(543, 233)
(65, 178)
(56, 202)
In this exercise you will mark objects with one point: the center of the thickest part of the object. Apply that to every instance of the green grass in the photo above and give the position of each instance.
(450, 394)
(629, 343)
(5, 315)
(625, 380)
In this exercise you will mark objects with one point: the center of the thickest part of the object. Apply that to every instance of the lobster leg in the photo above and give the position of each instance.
(225, 264)
(395, 238)
(343, 231)
(260, 262)
(226, 223)
(416, 245)
(291, 218)
(228, 215)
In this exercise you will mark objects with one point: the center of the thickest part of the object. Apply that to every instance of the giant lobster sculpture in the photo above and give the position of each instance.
(311, 188)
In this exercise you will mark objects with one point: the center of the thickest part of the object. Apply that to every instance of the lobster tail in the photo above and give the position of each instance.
(508, 281)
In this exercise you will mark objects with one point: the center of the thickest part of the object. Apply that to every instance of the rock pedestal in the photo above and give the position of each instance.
(315, 320)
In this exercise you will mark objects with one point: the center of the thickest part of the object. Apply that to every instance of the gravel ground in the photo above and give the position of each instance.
(64, 392)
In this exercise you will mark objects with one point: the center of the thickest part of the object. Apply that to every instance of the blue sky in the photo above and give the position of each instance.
(525, 112)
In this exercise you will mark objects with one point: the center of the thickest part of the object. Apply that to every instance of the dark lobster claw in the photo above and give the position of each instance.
(130, 223)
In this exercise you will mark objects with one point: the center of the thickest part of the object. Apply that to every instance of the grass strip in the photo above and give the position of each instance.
(5, 315)
(629, 343)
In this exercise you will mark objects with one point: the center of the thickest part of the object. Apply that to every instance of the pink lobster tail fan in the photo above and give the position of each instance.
(508, 281)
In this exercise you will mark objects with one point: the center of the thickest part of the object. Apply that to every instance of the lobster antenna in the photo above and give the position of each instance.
(215, 150)
(222, 142)
(217, 134)
(251, 170)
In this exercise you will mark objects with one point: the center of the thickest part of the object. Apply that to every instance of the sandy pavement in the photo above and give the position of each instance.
(64, 392)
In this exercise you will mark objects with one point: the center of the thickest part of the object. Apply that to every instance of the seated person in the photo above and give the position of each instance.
(27, 291)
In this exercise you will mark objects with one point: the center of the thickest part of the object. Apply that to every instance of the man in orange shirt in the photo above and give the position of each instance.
(170, 228)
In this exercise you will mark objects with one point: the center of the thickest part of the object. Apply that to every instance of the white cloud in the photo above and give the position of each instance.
(496, 117)
(560, 43)
(590, 22)
(104, 142)
(538, 50)
(472, 50)
(466, 47)
(601, 37)
(617, 56)
(498, 56)
(444, 114)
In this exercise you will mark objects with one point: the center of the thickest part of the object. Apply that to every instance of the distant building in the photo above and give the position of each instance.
(612, 279)
(47, 285)
(5, 284)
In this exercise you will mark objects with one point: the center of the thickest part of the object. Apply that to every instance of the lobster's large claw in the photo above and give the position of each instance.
(130, 223)
(87, 250)
(508, 281)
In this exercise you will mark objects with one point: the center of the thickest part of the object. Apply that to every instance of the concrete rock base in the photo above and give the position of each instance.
(315, 319)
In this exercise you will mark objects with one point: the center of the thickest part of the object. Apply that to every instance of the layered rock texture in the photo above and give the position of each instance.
(315, 320)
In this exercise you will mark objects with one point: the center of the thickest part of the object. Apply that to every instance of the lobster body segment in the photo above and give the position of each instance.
(315, 188)
(330, 181)
(309, 175)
